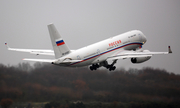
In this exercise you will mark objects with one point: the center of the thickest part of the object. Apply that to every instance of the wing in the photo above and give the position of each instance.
(43, 52)
(133, 54)
(33, 51)
(40, 60)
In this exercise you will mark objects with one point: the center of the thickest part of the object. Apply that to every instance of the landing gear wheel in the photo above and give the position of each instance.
(91, 68)
(108, 66)
(112, 68)
(94, 67)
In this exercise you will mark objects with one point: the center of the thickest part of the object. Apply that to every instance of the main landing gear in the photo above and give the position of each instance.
(94, 67)
(105, 64)
(111, 67)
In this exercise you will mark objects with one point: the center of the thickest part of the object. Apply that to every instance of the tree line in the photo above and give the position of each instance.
(46, 83)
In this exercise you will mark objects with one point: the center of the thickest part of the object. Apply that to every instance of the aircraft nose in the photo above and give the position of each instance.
(144, 39)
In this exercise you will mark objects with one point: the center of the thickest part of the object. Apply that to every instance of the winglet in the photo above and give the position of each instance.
(6, 45)
(169, 49)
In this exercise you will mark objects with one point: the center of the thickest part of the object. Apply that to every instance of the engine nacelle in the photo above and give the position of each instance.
(141, 59)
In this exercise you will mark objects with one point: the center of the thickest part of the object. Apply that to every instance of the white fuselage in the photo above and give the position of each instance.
(100, 51)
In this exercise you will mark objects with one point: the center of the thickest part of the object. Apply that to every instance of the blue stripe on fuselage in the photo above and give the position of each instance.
(138, 43)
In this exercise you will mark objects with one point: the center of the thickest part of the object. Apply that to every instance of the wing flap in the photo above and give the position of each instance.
(127, 56)
(145, 53)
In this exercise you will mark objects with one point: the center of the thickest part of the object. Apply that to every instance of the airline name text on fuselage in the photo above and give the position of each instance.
(115, 43)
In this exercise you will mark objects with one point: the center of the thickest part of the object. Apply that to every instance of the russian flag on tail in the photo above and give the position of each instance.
(59, 43)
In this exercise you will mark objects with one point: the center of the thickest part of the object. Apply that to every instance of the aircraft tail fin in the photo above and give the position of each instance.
(59, 46)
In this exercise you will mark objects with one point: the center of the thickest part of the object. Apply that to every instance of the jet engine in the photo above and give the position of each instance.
(141, 59)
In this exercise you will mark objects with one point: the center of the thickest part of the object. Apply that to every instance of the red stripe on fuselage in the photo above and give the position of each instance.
(106, 52)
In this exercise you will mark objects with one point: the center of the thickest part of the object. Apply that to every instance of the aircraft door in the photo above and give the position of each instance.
(78, 57)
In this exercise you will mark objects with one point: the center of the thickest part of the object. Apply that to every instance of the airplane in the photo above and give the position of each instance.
(124, 46)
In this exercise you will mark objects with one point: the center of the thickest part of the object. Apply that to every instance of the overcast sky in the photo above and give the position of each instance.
(23, 24)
